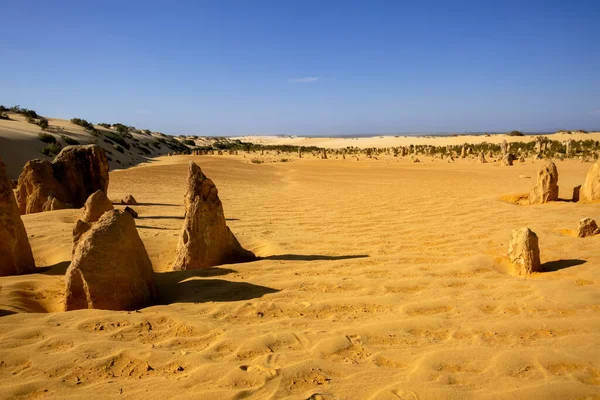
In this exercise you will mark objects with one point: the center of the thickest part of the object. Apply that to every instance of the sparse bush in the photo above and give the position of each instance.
(122, 129)
(147, 132)
(256, 161)
(115, 137)
(52, 149)
(82, 122)
(284, 160)
(46, 138)
(43, 123)
(515, 133)
(69, 141)
(189, 142)
(104, 125)
(118, 148)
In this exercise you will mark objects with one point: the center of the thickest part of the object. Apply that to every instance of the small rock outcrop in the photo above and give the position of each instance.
(587, 227)
(129, 200)
(110, 269)
(524, 252)
(507, 160)
(546, 188)
(206, 240)
(481, 158)
(96, 205)
(590, 190)
(16, 257)
(576, 191)
(131, 212)
(75, 173)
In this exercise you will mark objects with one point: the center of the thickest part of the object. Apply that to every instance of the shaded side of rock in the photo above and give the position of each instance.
(16, 257)
(206, 240)
(76, 173)
(36, 184)
(524, 252)
(546, 187)
(82, 170)
(576, 191)
(131, 211)
(110, 268)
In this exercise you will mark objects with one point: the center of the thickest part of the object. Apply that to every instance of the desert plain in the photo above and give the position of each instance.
(377, 278)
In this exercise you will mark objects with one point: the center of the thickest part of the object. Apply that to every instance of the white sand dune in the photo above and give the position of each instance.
(380, 279)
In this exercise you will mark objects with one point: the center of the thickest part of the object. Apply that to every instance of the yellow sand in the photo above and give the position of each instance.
(381, 279)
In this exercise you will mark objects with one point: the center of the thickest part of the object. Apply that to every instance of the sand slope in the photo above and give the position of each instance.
(380, 279)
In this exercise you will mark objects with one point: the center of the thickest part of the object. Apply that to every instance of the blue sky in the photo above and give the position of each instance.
(306, 67)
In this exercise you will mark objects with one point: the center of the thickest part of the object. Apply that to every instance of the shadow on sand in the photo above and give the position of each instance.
(560, 264)
(189, 287)
(310, 257)
(56, 269)
(149, 204)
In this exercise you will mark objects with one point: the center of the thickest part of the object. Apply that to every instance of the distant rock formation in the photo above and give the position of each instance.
(76, 173)
(481, 158)
(524, 252)
(590, 190)
(96, 205)
(16, 257)
(587, 227)
(504, 147)
(110, 269)
(129, 200)
(546, 188)
(507, 160)
(576, 191)
(206, 240)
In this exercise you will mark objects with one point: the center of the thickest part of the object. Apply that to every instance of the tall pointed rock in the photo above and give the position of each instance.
(15, 252)
(206, 240)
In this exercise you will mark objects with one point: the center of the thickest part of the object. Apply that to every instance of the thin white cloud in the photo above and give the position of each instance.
(308, 79)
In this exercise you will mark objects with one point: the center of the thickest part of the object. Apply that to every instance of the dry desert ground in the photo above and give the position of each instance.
(377, 279)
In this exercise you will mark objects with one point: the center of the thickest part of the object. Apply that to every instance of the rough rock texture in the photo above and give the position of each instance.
(36, 184)
(481, 158)
(206, 240)
(590, 191)
(504, 147)
(110, 268)
(129, 200)
(96, 205)
(546, 188)
(576, 191)
(78, 230)
(76, 173)
(587, 227)
(524, 252)
(15, 252)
